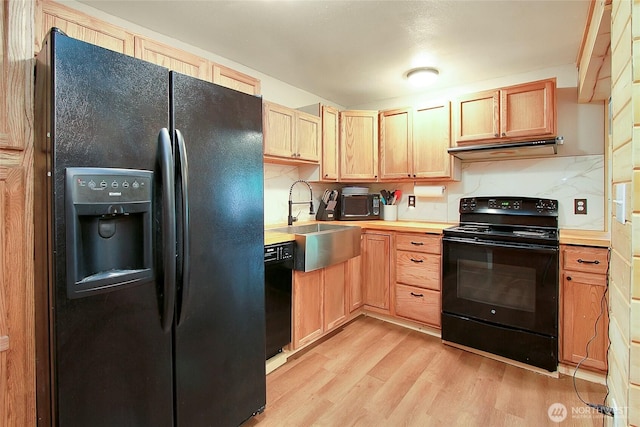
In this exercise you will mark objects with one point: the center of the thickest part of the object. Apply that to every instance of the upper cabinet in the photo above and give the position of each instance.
(396, 143)
(414, 143)
(80, 26)
(290, 135)
(172, 58)
(330, 138)
(358, 145)
(86, 28)
(236, 80)
(511, 113)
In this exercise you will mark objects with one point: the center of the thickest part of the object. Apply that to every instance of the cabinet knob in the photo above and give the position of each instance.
(569, 278)
(409, 175)
(504, 134)
(496, 135)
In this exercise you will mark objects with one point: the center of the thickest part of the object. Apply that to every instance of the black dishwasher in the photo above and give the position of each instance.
(278, 265)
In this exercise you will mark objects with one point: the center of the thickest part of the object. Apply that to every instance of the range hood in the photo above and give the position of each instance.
(508, 150)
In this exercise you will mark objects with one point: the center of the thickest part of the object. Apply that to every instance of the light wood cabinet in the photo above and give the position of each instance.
(290, 136)
(80, 26)
(334, 296)
(307, 307)
(354, 279)
(431, 140)
(396, 144)
(358, 145)
(376, 271)
(414, 144)
(506, 114)
(418, 277)
(236, 80)
(584, 306)
(330, 138)
(172, 58)
(319, 302)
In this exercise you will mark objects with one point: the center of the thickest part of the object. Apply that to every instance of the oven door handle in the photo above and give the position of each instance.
(495, 244)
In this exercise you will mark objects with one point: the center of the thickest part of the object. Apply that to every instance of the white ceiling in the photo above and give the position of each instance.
(356, 52)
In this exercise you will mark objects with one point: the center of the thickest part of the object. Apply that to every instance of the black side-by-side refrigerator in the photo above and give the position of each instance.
(149, 244)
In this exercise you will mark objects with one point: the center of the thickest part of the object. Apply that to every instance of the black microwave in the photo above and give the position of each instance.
(355, 207)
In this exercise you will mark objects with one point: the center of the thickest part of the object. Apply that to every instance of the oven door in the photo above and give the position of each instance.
(507, 284)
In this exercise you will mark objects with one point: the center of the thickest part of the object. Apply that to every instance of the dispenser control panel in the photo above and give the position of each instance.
(92, 185)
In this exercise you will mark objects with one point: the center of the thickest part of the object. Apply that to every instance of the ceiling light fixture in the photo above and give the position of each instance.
(422, 76)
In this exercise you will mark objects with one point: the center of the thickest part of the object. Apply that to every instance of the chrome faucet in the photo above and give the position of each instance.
(291, 218)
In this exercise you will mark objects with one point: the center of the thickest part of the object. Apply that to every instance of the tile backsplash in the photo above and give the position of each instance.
(561, 178)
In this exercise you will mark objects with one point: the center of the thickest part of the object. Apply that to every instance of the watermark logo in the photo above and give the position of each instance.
(557, 412)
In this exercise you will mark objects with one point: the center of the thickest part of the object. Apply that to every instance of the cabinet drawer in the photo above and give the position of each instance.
(418, 269)
(585, 259)
(418, 304)
(418, 243)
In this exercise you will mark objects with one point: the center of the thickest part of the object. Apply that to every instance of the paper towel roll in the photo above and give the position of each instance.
(428, 190)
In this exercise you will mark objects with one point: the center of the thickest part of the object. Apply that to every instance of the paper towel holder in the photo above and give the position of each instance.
(427, 191)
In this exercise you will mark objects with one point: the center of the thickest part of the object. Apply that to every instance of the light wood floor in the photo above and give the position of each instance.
(373, 373)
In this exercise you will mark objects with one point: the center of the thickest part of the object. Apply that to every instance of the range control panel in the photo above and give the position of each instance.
(508, 205)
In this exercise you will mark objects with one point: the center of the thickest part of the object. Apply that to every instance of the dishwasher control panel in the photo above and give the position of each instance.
(279, 252)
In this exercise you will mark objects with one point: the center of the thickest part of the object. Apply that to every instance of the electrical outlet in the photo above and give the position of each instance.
(412, 201)
(580, 206)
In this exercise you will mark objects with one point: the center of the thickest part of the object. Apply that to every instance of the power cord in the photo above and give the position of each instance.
(601, 408)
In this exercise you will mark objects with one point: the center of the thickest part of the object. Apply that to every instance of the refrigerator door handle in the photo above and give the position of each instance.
(183, 180)
(168, 228)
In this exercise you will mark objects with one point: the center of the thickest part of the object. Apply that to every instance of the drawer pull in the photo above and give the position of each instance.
(417, 260)
(581, 261)
(417, 295)
(569, 278)
(417, 243)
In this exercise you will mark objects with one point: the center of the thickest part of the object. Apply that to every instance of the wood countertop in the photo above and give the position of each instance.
(567, 237)
(585, 238)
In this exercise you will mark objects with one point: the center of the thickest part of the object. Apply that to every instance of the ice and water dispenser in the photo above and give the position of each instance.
(109, 231)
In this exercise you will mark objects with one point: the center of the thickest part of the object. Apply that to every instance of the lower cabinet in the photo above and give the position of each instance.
(417, 287)
(376, 271)
(583, 286)
(319, 303)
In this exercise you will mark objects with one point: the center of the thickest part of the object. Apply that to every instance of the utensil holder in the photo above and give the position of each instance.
(390, 212)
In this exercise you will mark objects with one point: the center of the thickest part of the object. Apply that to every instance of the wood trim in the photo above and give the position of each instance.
(594, 57)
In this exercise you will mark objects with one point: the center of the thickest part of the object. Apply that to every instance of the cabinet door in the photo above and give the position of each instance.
(307, 307)
(477, 116)
(375, 266)
(582, 304)
(396, 130)
(528, 110)
(172, 58)
(329, 143)
(308, 134)
(82, 27)
(354, 282)
(431, 140)
(279, 130)
(358, 145)
(335, 301)
(236, 80)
